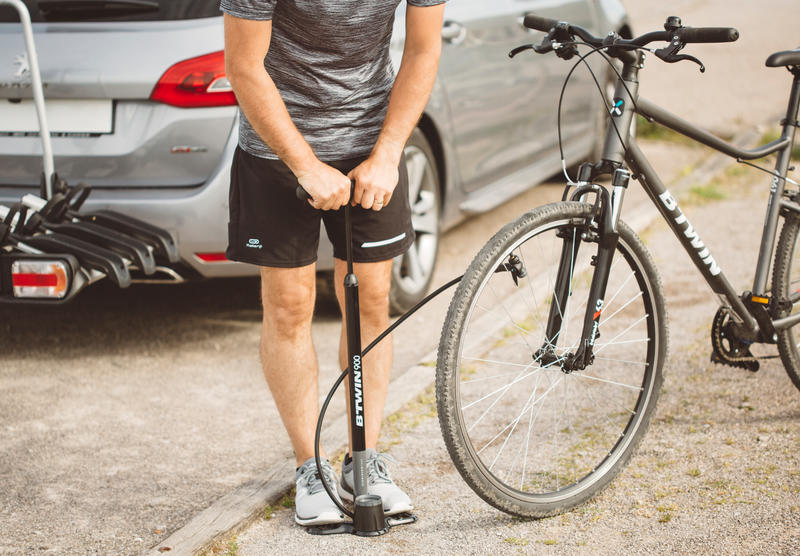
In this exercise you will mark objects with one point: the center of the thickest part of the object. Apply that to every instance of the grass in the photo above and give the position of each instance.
(228, 547)
(706, 193)
(397, 425)
(232, 548)
(287, 501)
(650, 130)
(516, 541)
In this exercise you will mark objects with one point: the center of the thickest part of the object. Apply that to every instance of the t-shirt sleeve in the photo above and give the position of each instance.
(249, 9)
(423, 3)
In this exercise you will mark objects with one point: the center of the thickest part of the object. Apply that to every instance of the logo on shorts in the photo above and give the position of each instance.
(254, 244)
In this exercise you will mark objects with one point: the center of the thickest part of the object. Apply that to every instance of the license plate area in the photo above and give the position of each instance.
(65, 117)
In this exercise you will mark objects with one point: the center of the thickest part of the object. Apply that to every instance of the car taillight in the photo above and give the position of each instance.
(212, 257)
(40, 278)
(195, 82)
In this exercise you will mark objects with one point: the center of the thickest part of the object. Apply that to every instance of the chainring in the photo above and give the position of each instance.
(727, 349)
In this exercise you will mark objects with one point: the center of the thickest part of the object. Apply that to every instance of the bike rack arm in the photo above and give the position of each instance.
(38, 93)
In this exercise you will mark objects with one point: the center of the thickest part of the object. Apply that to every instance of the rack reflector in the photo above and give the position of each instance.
(39, 278)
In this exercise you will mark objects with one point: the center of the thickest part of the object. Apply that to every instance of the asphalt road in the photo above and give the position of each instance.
(127, 412)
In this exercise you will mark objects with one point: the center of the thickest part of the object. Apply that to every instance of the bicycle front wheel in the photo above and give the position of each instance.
(531, 438)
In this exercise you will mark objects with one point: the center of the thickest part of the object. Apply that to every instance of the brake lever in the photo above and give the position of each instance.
(520, 49)
(558, 40)
(670, 54)
(544, 48)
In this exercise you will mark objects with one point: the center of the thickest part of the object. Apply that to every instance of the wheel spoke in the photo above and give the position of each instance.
(597, 378)
(416, 164)
(415, 271)
(425, 224)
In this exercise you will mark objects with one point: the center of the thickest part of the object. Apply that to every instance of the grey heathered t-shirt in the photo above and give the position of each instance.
(330, 62)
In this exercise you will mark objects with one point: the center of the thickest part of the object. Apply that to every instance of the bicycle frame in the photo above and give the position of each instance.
(755, 311)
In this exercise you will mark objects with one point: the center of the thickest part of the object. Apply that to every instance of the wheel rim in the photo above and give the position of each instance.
(522, 446)
(413, 269)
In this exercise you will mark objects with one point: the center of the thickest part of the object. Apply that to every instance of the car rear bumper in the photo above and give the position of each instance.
(197, 216)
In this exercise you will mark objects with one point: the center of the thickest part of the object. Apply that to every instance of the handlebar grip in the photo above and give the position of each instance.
(303, 195)
(533, 21)
(707, 34)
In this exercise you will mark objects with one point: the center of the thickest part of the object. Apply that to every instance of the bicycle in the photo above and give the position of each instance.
(551, 355)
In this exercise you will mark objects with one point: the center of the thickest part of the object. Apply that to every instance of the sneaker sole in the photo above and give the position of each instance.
(344, 494)
(325, 518)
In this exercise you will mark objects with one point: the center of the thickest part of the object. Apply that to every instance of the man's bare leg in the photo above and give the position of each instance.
(287, 353)
(374, 281)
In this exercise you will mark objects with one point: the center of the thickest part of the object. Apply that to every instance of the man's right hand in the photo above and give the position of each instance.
(328, 187)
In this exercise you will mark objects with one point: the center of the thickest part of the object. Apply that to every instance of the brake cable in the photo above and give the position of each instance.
(582, 59)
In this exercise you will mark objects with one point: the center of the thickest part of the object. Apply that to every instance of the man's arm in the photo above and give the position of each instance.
(246, 45)
(377, 177)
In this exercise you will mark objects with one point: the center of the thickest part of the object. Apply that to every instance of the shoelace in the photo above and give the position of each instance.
(310, 478)
(377, 469)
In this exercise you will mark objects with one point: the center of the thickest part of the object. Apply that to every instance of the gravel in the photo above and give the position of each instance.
(718, 471)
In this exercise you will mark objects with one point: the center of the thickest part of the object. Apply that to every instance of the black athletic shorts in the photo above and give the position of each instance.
(270, 226)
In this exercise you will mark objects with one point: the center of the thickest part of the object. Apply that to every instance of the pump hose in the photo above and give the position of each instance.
(318, 433)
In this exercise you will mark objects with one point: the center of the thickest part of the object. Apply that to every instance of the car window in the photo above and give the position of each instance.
(112, 10)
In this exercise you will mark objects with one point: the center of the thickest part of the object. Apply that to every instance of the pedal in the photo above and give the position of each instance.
(727, 349)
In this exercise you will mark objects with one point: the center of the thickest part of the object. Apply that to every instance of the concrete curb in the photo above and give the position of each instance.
(238, 509)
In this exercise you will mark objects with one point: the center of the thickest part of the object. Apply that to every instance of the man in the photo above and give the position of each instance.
(321, 106)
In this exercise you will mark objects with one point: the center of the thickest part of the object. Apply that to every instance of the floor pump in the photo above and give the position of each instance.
(368, 517)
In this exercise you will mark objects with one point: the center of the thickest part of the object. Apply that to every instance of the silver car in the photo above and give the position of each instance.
(139, 108)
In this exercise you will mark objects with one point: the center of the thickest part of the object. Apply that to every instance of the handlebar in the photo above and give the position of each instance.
(617, 47)
(683, 34)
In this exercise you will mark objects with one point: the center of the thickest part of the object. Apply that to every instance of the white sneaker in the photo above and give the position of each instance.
(312, 505)
(380, 482)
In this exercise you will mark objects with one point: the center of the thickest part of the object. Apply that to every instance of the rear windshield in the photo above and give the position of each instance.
(112, 10)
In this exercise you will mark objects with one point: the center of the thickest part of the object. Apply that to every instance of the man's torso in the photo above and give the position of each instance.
(330, 61)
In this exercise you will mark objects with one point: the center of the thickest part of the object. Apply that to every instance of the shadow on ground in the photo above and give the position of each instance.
(106, 320)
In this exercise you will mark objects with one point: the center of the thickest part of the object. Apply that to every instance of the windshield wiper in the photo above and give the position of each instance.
(81, 10)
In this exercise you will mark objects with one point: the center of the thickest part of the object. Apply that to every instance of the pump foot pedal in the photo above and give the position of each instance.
(348, 528)
(401, 519)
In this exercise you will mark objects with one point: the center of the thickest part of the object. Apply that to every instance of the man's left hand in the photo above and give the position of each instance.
(375, 179)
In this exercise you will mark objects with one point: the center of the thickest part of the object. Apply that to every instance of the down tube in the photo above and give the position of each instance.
(685, 232)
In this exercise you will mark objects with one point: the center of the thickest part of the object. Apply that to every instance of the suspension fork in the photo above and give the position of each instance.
(607, 210)
(561, 291)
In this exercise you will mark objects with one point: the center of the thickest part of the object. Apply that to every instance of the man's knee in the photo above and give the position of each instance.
(374, 282)
(288, 304)
(374, 302)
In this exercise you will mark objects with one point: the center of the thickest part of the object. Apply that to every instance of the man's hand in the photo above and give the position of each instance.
(375, 179)
(328, 187)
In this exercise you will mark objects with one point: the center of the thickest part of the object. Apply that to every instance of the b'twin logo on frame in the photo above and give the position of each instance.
(254, 244)
(702, 251)
(359, 397)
